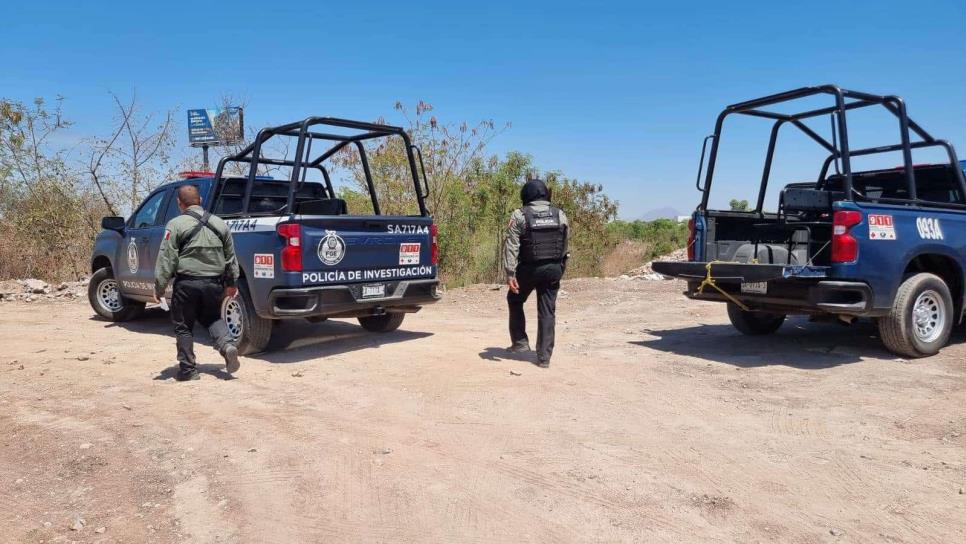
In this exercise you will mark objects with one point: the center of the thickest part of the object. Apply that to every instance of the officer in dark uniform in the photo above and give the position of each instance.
(535, 258)
(198, 252)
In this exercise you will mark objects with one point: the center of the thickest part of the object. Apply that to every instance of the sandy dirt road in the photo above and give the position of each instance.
(656, 423)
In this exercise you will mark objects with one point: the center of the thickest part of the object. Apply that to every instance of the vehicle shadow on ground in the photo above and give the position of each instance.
(798, 344)
(293, 341)
(502, 354)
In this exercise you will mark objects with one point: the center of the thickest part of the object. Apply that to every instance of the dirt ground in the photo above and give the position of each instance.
(656, 422)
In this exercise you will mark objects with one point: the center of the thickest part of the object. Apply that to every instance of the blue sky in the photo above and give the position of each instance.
(616, 93)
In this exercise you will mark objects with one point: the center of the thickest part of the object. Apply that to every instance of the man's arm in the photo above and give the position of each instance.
(167, 262)
(511, 249)
(231, 261)
(565, 222)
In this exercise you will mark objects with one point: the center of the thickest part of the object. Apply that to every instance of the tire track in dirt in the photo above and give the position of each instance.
(785, 422)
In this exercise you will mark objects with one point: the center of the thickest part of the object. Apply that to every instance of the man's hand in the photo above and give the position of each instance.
(155, 299)
(513, 285)
(231, 292)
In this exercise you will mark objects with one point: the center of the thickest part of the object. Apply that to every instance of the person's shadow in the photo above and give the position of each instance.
(503, 354)
(217, 371)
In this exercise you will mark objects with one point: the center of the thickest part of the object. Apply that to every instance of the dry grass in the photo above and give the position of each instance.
(628, 255)
(44, 254)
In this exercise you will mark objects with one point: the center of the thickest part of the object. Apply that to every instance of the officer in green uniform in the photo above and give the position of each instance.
(535, 257)
(198, 252)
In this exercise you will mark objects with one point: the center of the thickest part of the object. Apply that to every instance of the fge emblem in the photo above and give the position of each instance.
(331, 248)
(133, 263)
(929, 228)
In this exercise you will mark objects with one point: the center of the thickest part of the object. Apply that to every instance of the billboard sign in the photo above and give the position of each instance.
(216, 126)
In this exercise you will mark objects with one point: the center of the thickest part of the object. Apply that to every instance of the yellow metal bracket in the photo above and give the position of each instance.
(709, 282)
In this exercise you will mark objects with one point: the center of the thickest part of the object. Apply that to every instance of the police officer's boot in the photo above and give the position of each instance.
(543, 363)
(230, 353)
(521, 346)
(227, 348)
(188, 376)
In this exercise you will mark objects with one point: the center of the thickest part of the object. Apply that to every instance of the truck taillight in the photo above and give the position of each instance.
(845, 247)
(433, 231)
(691, 239)
(291, 233)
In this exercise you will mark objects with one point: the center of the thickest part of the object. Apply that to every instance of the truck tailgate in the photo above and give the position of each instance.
(728, 272)
(353, 249)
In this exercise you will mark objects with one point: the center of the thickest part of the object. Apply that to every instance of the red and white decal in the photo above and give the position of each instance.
(264, 265)
(167, 234)
(881, 227)
(409, 253)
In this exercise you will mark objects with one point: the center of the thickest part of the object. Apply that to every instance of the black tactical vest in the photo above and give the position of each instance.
(543, 236)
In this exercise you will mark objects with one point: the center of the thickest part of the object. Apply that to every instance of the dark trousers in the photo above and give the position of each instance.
(197, 299)
(545, 280)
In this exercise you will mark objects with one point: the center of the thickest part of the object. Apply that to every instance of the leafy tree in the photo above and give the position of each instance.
(738, 205)
(471, 194)
(50, 205)
(662, 235)
(47, 217)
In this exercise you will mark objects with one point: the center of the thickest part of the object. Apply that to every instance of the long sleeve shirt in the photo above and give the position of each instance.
(204, 255)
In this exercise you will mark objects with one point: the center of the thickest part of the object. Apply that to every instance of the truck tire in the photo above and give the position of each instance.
(921, 318)
(382, 323)
(754, 323)
(250, 331)
(106, 299)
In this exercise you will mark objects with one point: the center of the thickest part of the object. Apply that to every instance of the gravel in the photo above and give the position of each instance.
(33, 290)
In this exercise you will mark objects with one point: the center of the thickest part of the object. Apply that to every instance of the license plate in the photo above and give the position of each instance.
(755, 287)
(374, 291)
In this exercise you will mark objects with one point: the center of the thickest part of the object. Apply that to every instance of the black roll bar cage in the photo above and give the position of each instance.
(839, 151)
(303, 161)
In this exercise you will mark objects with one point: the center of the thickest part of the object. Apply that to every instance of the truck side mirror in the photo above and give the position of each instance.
(112, 223)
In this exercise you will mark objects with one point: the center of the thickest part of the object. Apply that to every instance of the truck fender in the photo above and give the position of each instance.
(100, 260)
(949, 267)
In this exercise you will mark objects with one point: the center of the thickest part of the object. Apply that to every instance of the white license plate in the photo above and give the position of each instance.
(374, 291)
(755, 288)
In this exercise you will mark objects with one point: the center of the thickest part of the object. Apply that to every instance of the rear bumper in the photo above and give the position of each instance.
(842, 297)
(346, 300)
(796, 296)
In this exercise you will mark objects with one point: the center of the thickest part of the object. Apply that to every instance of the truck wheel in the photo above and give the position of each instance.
(921, 318)
(104, 294)
(754, 323)
(250, 332)
(382, 323)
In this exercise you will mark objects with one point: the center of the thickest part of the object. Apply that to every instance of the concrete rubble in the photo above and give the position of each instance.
(30, 290)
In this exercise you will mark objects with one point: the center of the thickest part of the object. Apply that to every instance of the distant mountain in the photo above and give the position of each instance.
(661, 213)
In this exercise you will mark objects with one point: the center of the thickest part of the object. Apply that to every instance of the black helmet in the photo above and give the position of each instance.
(535, 189)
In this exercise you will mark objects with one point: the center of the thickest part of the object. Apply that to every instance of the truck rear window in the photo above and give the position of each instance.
(269, 197)
(933, 184)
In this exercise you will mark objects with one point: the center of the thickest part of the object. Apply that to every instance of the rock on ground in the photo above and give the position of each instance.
(32, 290)
(647, 273)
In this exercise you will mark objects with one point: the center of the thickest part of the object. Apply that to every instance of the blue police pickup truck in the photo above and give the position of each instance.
(302, 253)
(887, 244)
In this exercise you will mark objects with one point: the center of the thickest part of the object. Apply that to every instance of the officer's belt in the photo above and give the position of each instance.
(188, 277)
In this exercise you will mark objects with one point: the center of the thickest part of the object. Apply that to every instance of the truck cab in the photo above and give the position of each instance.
(886, 244)
(301, 251)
